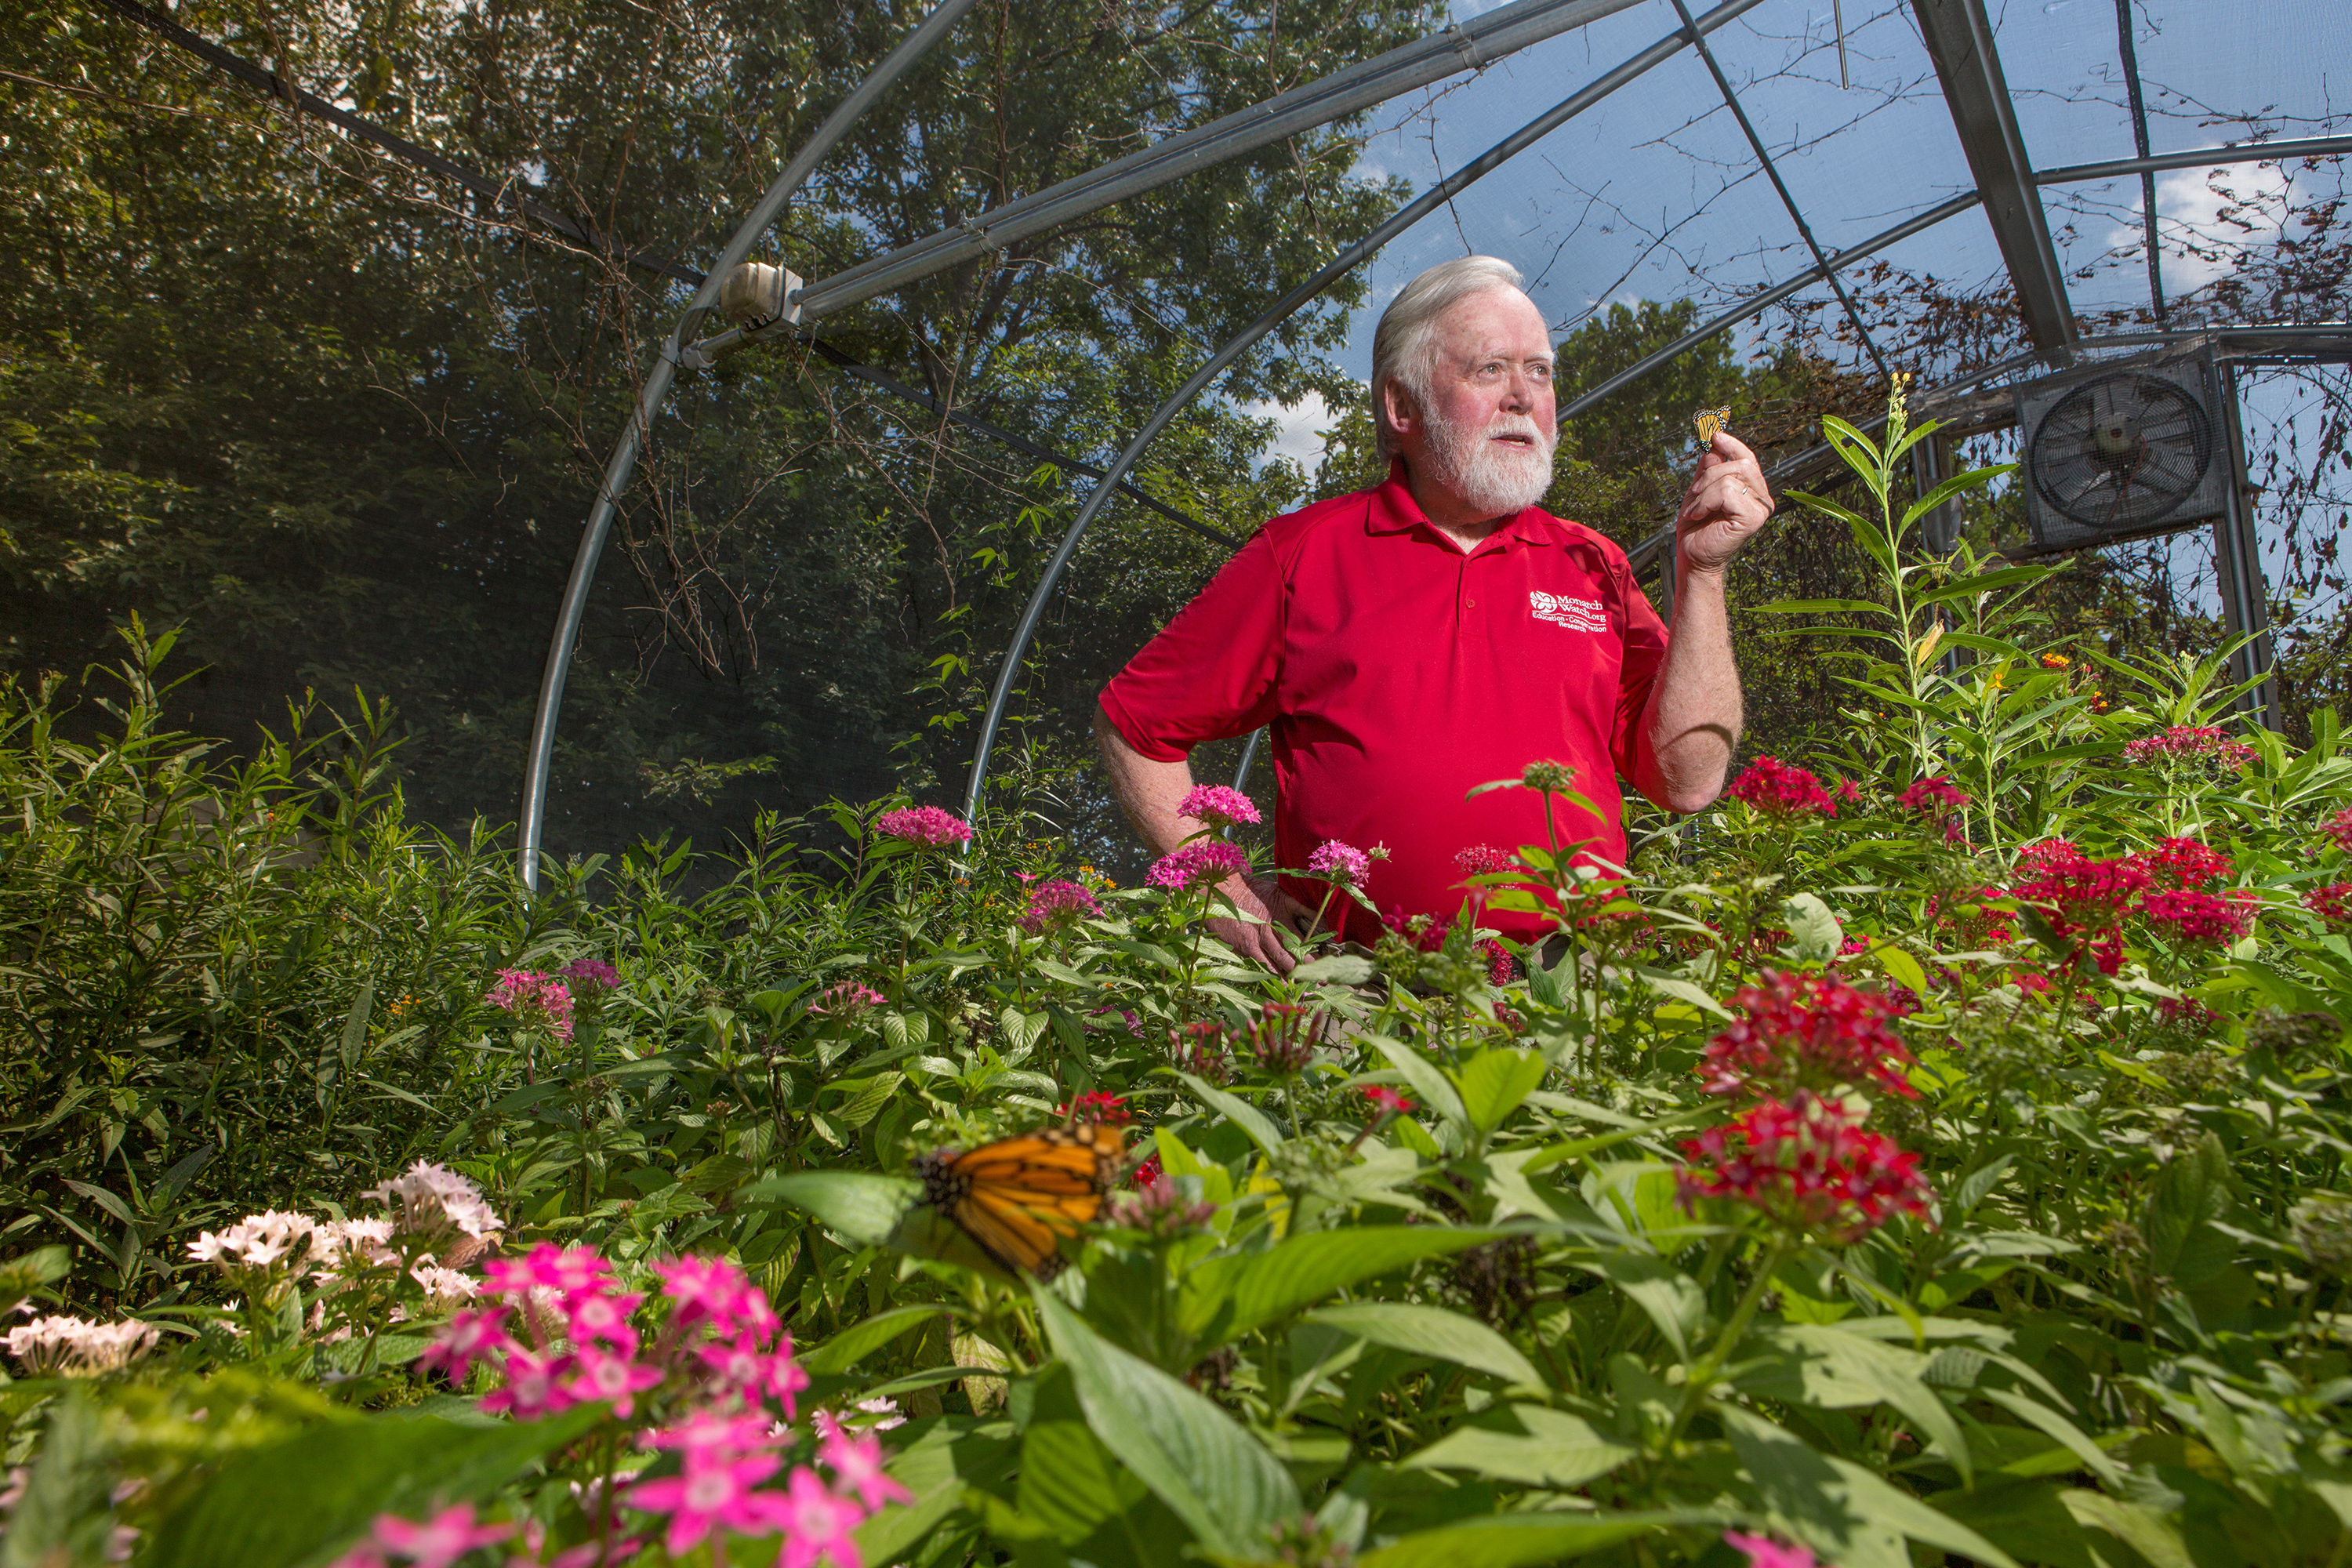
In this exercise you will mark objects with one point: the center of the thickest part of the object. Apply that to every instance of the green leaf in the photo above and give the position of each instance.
(1527, 1446)
(1433, 1332)
(1428, 1081)
(953, 1454)
(1685, 991)
(60, 1515)
(1902, 966)
(345, 1473)
(1824, 504)
(1824, 607)
(860, 1205)
(1260, 1127)
(1847, 1514)
(355, 1025)
(1954, 486)
(1517, 1539)
(1671, 1297)
(1495, 1082)
(853, 1344)
(1338, 968)
(1271, 1285)
(1207, 1467)
(1813, 932)
(1985, 582)
(1831, 1369)
(1070, 1484)
(2188, 1195)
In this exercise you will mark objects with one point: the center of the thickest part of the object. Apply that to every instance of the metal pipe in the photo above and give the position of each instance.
(2130, 54)
(1772, 172)
(1764, 301)
(1249, 755)
(599, 526)
(1465, 45)
(1339, 267)
(2199, 157)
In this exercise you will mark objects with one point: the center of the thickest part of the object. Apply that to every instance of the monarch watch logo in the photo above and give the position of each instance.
(1576, 615)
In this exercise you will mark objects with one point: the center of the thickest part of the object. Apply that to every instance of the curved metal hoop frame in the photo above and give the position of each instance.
(912, 48)
(1296, 299)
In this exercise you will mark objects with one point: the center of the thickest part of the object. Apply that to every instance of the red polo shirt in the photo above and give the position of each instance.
(1398, 674)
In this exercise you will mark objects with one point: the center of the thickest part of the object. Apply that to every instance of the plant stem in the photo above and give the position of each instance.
(1703, 1372)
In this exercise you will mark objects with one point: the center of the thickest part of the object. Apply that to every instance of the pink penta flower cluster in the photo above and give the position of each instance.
(2081, 898)
(1160, 1210)
(2190, 743)
(587, 976)
(1763, 1553)
(1937, 799)
(1201, 864)
(1808, 1166)
(845, 997)
(924, 826)
(2186, 915)
(1781, 789)
(1342, 865)
(1282, 1037)
(1218, 806)
(2331, 903)
(534, 999)
(1057, 906)
(1807, 1032)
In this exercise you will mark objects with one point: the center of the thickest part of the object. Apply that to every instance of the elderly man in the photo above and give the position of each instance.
(1412, 642)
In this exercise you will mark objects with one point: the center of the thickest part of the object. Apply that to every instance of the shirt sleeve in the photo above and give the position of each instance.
(1211, 673)
(1645, 650)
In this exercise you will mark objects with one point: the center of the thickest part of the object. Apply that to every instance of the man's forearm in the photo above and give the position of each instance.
(1147, 789)
(1693, 719)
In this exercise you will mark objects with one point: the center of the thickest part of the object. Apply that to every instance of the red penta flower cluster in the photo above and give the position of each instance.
(2331, 903)
(2189, 743)
(1483, 861)
(2187, 915)
(1808, 1167)
(1283, 1037)
(1781, 789)
(1500, 966)
(1967, 912)
(1937, 799)
(1097, 1106)
(2339, 828)
(1424, 933)
(2184, 863)
(2081, 897)
(1807, 1032)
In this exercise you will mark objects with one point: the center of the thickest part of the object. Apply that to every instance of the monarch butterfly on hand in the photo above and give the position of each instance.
(1017, 1198)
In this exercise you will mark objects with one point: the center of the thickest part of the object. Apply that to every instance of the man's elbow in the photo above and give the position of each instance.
(1685, 801)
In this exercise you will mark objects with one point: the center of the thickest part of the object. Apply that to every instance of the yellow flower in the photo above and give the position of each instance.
(2054, 661)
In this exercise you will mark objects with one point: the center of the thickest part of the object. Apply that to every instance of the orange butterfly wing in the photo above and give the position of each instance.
(1018, 1197)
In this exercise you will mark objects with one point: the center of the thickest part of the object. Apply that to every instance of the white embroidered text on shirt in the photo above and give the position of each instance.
(1576, 615)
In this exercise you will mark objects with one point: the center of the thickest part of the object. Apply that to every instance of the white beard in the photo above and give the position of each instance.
(1490, 476)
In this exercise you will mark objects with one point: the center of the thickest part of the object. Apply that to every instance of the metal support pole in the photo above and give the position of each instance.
(2237, 549)
(930, 31)
(1437, 195)
(2130, 53)
(1249, 755)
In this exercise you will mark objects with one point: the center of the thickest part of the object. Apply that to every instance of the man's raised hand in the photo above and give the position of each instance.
(1726, 505)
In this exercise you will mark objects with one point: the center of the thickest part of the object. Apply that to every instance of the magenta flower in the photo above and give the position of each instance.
(1218, 806)
(2187, 915)
(1763, 1553)
(535, 1387)
(1340, 864)
(715, 1492)
(846, 997)
(569, 1271)
(856, 1465)
(435, 1543)
(2189, 743)
(1201, 864)
(592, 973)
(925, 827)
(817, 1524)
(470, 1336)
(709, 1430)
(596, 1316)
(707, 1289)
(617, 1380)
(1781, 789)
(534, 999)
(1056, 906)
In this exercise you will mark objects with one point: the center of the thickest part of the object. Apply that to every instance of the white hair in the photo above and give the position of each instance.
(1404, 345)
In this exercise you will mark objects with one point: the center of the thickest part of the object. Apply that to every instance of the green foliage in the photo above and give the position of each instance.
(1542, 1314)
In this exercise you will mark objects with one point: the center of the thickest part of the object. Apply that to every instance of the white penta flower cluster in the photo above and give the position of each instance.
(75, 1347)
(432, 1198)
(258, 1242)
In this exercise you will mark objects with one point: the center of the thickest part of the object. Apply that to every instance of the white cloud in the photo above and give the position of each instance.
(2205, 233)
(1302, 427)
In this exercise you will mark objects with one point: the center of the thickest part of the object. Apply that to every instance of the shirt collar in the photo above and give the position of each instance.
(1394, 510)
